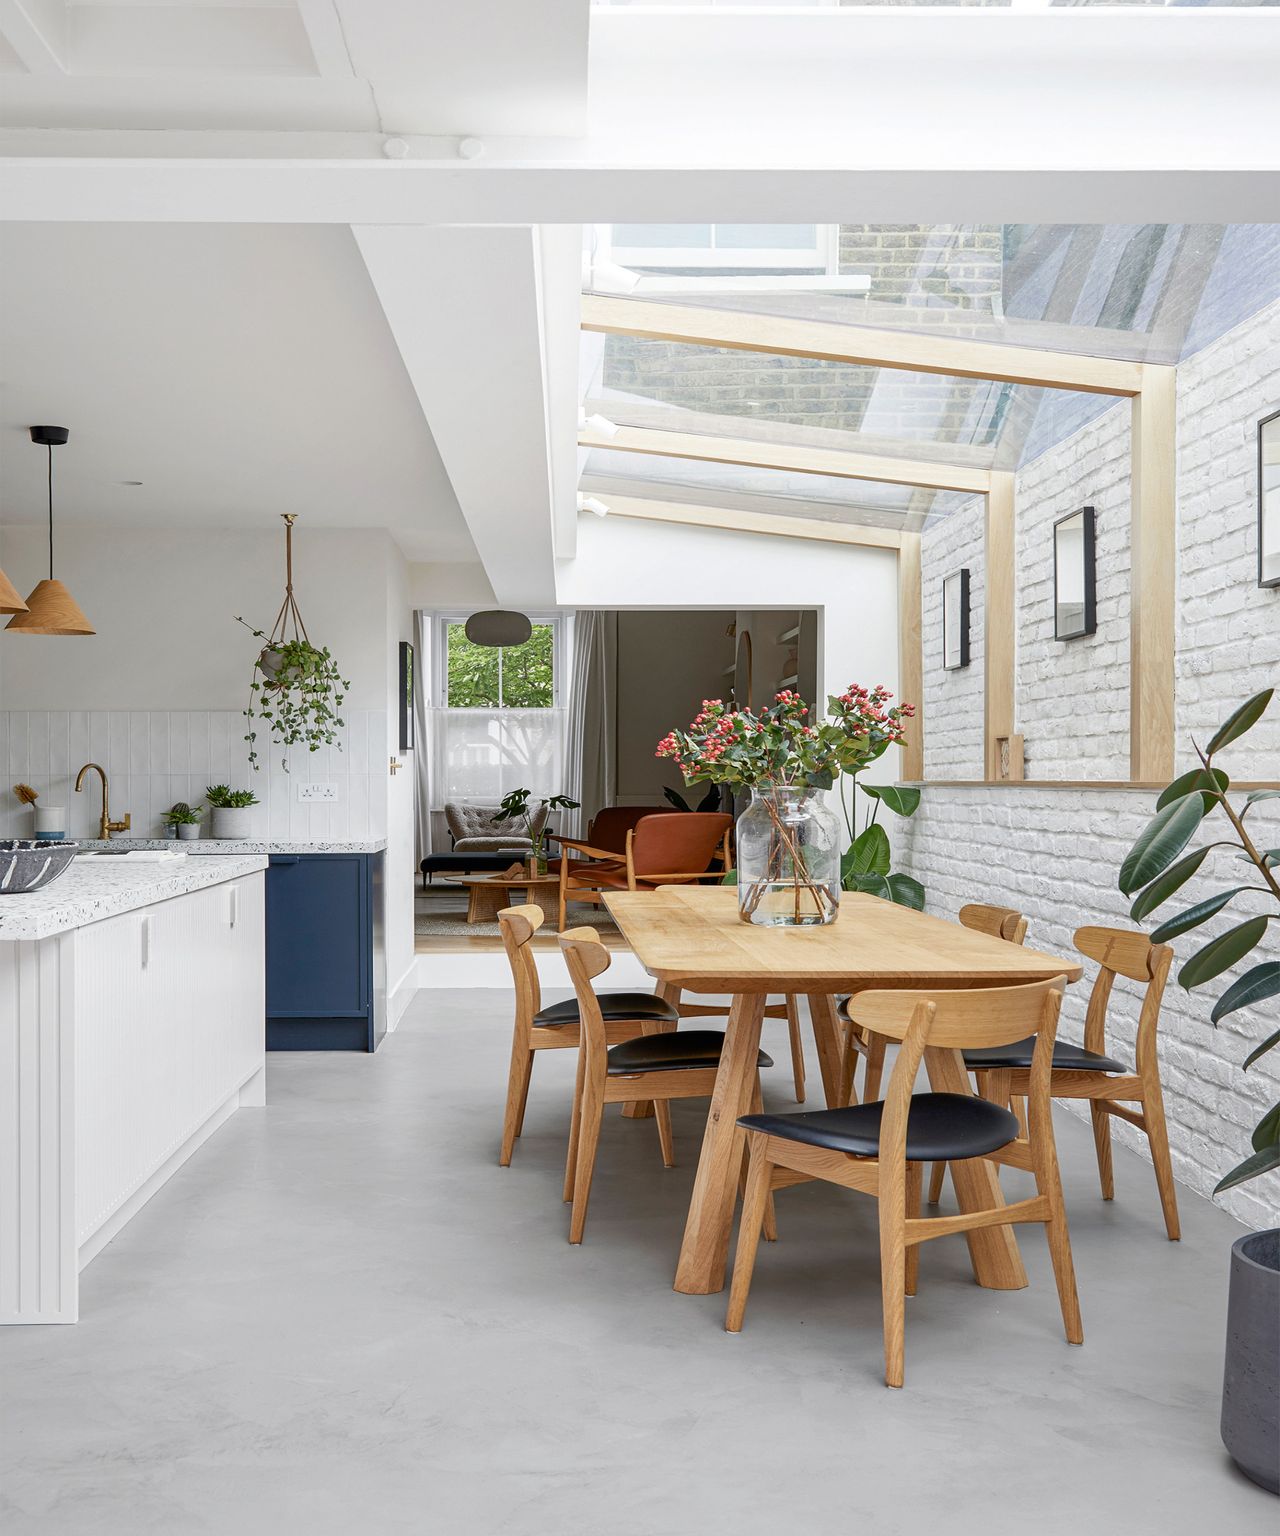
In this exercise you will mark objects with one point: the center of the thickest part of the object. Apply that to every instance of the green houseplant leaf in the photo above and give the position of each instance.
(1163, 839)
(1222, 953)
(1261, 1050)
(1239, 721)
(869, 853)
(1163, 886)
(1192, 917)
(1253, 1165)
(1255, 986)
(1196, 779)
(902, 800)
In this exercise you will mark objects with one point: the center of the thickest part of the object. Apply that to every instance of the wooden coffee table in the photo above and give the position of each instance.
(488, 894)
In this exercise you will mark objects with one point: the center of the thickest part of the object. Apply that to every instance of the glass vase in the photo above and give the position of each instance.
(788, 858)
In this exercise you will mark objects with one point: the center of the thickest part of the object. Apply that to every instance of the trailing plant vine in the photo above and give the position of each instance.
(297, 692)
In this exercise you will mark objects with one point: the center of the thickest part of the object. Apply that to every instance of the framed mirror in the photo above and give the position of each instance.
(955, 620)
(1074, 600)
(1269, 501)
(743, 681)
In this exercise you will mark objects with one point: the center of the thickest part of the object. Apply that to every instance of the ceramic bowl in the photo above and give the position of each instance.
(26, 864)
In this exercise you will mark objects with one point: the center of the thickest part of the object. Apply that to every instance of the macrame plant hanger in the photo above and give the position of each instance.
(289, 615)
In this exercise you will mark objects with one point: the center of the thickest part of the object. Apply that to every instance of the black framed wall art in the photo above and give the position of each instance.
(1269, 501)
(406, 696)
(955, 620)
(1075, 607)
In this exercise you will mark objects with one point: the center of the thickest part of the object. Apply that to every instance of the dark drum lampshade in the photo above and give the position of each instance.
(497, 626)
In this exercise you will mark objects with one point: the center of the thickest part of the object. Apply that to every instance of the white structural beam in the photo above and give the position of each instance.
(246, 190)
(324, 32)
(36, 30)
(465, 307)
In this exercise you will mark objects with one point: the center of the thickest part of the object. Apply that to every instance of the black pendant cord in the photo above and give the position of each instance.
(50, 451)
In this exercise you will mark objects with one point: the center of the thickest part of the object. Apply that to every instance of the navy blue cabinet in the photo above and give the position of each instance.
(322, 958)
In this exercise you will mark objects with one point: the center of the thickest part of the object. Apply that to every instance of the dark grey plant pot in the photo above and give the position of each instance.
(1251, 1379)
(27, 863)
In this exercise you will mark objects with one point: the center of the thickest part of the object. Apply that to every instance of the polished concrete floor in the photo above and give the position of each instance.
(343, 1317)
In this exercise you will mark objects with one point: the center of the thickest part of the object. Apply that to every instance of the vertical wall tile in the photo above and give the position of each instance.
(139, 742)
(77, 739)
(159, 735)
(179, 752)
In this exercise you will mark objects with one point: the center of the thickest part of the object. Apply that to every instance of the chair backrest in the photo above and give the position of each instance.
(684, 844)
(962, 1020)
(609, 827)
(1123, 952)
(999, 922)
(586, 957)
(518, 926)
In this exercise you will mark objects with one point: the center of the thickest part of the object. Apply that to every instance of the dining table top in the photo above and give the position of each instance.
(692, 937)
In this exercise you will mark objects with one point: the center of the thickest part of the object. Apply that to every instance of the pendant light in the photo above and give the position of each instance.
(498, 626)
(50, 608)
(10, 598)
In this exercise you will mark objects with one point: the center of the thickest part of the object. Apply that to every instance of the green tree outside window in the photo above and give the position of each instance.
(501, 677)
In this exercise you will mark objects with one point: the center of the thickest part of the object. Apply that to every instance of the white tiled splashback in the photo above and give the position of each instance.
(155, 758)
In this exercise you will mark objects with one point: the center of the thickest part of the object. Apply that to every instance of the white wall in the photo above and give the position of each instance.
(1054, 853)
(399, 866)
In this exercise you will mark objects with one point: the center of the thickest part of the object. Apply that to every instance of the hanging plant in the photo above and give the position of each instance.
(296, 690)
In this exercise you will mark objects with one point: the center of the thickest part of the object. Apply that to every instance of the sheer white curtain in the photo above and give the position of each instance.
(591, 775)
(423, 730)
(482, 754)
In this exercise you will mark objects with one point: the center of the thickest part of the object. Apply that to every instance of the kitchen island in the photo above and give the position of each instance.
(131, 1028)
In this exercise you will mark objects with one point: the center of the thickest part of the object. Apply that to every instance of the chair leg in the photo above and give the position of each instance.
(915, 1178)
(517, 1097)
(875, 1068)
(1102, 1146)
(797, 1046)
(575, 1127)
(770, 1227)
(1049, 1183)
(848, 1066)
(893, 1272)
(588, 1143)
(749, 1225)
(1019, 1107)
(1158, 1136)
(935, 1182)
(662, 1113)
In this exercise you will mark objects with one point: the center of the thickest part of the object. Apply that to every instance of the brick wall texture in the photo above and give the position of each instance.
(1054, 853)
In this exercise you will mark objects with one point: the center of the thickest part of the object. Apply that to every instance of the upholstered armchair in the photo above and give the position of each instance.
(661, 848)
(474, 830)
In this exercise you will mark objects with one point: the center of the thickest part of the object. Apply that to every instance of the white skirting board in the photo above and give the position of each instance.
(492, 970)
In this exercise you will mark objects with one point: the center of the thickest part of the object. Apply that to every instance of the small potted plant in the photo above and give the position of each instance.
(518, 806)
(230, 807)
(185, 819)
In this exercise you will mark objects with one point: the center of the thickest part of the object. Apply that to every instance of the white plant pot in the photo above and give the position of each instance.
(230, 821)
(188, 831)
(51, 821)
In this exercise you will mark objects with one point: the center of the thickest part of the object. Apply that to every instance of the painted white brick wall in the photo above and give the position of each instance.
(1054, 853)
(953, 700)
(154, 758)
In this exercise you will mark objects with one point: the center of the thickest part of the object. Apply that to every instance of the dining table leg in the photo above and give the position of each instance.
(993, 1251)
(669, 992)
(705, 1249)
(829, 1039)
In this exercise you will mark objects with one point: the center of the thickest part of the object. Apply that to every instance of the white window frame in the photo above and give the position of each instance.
(823, 254)
(440, 669)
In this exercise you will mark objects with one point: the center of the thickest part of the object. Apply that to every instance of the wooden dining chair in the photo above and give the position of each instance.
(999, 922)
(1089, 1073)
(557, 1027)
(657, 1068)
(879, 1148)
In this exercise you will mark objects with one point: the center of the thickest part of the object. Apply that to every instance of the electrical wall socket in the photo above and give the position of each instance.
(311, 792)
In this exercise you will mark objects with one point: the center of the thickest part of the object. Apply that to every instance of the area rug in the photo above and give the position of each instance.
(441, 913)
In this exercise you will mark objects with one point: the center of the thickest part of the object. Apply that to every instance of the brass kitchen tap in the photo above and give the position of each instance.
(105, 824)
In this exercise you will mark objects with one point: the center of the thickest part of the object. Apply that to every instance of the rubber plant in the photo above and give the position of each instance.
(296, 689)
(1157, 867)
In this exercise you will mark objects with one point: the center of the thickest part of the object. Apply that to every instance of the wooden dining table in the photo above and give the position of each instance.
(691, 939)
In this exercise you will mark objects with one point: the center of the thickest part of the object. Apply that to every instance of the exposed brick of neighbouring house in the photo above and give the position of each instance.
(1054, 853)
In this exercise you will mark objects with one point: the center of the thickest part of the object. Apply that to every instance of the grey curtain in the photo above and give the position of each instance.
(424, 757)
(591, 751)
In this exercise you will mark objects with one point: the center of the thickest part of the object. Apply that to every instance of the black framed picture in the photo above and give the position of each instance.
(1269, 501)
(406, 696)
(955, 620)
(1075, 609)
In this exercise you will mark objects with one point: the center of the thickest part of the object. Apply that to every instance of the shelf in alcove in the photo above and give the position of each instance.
(789, 682)
(789, 634)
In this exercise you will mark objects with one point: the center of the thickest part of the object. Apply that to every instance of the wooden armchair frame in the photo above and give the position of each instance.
(570, 890)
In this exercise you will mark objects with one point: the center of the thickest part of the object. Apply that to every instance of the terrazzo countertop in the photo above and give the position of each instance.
(236, 845)
(92, 889)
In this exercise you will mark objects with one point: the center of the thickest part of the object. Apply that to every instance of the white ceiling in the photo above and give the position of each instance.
(238, 371)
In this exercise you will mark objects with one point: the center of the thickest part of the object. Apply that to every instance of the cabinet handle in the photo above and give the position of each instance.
(233, 905)
(277, 858)
(144, 935)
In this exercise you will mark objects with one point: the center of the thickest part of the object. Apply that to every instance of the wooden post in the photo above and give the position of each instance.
(911, 653)
(998, 628)
(1153, 557)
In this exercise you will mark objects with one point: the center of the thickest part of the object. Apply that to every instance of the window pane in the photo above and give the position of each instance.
(527, 677)
(767, 237)
(676, 237)
(473, 672)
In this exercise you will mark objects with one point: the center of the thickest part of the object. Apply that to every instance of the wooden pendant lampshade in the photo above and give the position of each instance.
(50, 609)
(10, 599)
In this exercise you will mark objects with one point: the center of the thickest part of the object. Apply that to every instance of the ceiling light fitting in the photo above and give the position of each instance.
(50, 608)
(498, 626)
(593, 504)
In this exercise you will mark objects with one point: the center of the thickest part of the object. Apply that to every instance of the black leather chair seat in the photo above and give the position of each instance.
(685, 1050)
(941, 1128)
(613, 1006)
(1067, 1058)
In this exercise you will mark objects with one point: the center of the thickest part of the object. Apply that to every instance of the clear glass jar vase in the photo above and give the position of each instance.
(788, 853)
